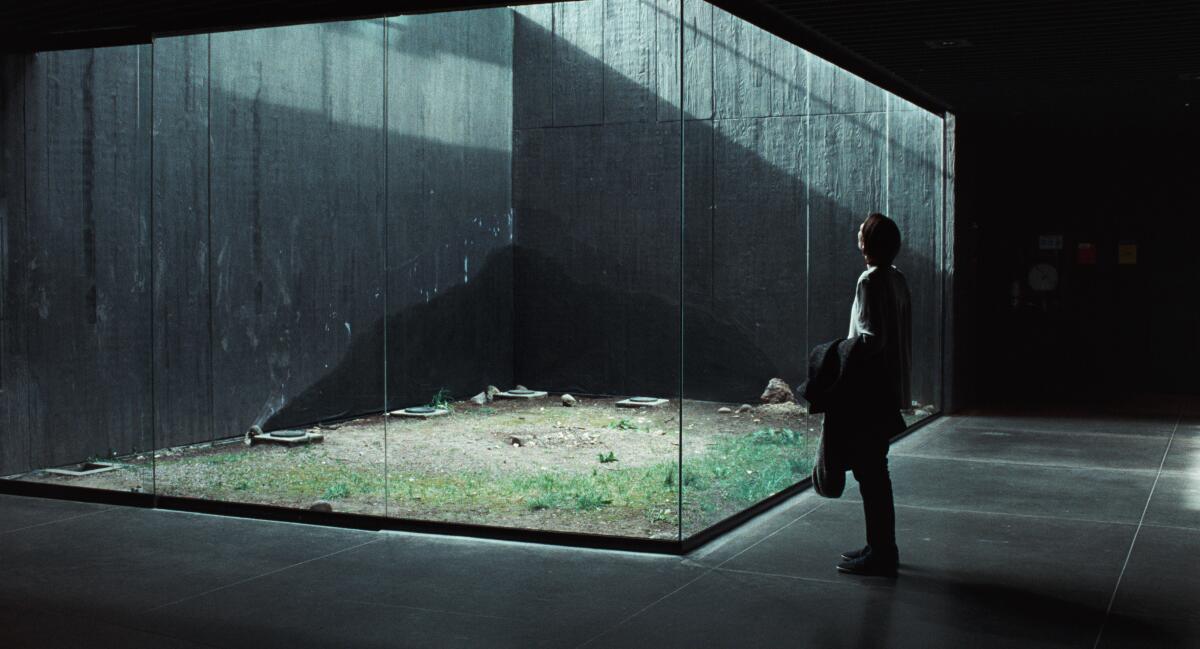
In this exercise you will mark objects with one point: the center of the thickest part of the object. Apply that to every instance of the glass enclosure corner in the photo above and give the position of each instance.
(553, 267)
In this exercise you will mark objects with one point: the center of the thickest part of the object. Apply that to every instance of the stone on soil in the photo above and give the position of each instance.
(568, 400)
(480, 399)
(777, 392)
(321, 506)
(724, 410)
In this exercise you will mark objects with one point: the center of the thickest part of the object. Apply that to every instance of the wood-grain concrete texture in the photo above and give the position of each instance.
(783, 156)
(320, 201)
(76, 359)
(258, 227)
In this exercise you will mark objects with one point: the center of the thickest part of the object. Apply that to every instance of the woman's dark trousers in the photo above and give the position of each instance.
(875, 487)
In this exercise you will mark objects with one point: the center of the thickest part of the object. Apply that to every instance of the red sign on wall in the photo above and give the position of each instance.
(1085, 254)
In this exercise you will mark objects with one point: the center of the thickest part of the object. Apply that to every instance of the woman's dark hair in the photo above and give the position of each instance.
(881, 239)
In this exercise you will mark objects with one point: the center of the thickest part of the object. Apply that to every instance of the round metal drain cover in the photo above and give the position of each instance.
(643, 399)
(288, 434)
(420, 410)
(521, 392)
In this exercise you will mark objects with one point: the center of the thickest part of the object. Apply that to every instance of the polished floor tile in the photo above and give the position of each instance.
(128, 560)
(1162, 578)
(1176, 501)
(28, 625)
(1184, 456)
(1086, 494)
(1123, 631)
(1150, 425)
(419, 591)
(729, 609)
(19, 512)
(1015, 552)
(1089, 451)
(756, 529)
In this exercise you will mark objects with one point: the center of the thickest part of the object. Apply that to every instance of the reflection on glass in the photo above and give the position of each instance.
(270, 192)
(533, 228)
(75, 342)
(784, 163)
(530, 267)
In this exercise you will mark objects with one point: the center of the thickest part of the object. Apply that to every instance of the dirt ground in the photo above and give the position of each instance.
(480, 464)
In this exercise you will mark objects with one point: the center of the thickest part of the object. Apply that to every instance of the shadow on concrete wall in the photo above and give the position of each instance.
(595, 303)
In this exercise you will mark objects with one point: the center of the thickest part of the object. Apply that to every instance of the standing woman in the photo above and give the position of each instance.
(882, 322)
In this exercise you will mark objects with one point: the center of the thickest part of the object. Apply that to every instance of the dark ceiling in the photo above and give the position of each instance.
(1023, 55)
(985, 56)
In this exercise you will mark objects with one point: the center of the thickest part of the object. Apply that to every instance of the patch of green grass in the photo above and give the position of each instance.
(734, 472)
(338, 490)
(276, 475)
(590, 501)
(442, 399)
(622, 424)
(740, 471)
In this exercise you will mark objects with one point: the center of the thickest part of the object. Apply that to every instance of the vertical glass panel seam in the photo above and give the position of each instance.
(384, 244)
(148, 177)
(682, 250)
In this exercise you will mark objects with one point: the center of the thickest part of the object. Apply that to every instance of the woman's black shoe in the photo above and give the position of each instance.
(850, 555)
(869, 565)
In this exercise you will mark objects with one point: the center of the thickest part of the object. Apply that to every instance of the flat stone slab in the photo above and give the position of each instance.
(419, 412)
(522, 394)
(288, 438)
(86, 468)
(642, 402)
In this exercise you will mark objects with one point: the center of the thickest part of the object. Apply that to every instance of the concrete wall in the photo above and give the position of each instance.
(449, 200)
(785, 156)
(75, 360)
(321, 201)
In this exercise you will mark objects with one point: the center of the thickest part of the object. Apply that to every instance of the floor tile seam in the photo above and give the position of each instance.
(444, 611)
(1175, 473)
(1045, 432)
(1133, 542)
(981, 512)
(157, 633)
(706, 571)
(759, 573)
(1182, 617)
(260, 576)
(53, 522)
(1047, 465)
(818, 504)
(1177, 528)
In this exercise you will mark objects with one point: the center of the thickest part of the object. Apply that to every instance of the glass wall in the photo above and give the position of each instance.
(787, 154)
(76, 388)
(269, 187)
(526, 267)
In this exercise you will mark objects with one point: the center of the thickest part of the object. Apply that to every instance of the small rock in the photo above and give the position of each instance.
(480, 399)
(724, 410)
(321, 506)
(491, 392)
(520, 387)
(516, 441)
(777, 392)
(745, 407)
(568, 400)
